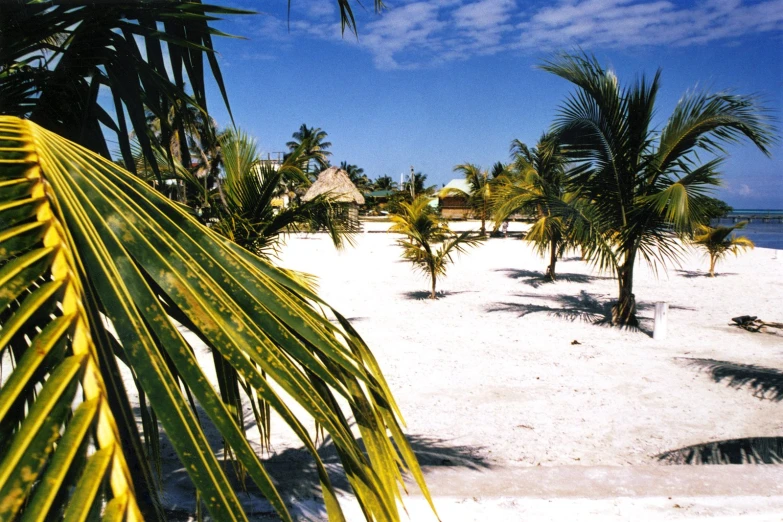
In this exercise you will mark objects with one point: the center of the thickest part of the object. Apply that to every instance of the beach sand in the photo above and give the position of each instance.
(505, 374)
(522, 406)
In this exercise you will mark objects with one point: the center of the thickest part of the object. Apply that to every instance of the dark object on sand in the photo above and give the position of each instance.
(752, 323)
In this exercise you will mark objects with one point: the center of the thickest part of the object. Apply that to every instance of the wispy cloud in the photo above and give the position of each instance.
(424, 33)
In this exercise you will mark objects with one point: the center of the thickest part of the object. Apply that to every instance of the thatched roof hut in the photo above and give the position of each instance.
(337, 185)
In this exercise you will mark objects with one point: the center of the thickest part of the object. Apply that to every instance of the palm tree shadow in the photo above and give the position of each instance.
(694, 274)
(293, 472)
(296, 474)
(586, 307)
(582, 307)
(751, 450)
(536, 278)
(766, 383)
(424, 294)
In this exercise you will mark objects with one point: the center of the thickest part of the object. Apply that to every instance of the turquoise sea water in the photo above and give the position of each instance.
(764, 235)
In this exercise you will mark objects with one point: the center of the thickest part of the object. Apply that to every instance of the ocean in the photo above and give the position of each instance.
(765, 228)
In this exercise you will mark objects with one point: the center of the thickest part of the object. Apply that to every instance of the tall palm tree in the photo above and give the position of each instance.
(250, 217)
(384, 183)
(417, 186)
(480, 190)
(719, 242)
(423, 231)
(537, 186)
(641, 182)
(95, 264)
(313, 146)
(357, 176)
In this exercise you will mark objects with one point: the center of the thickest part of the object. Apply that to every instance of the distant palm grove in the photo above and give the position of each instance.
(106, 254)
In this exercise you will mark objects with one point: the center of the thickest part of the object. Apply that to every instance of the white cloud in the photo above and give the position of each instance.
(745, 190)
(424, 33)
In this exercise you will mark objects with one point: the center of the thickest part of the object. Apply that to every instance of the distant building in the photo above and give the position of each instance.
(453, 199)
(335, 183)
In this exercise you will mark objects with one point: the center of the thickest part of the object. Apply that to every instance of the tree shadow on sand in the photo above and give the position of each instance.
(755, 450)
(425, 295)
(586, 307)
(294, 473)
(766, 383)
(537, 278)
(695, 274)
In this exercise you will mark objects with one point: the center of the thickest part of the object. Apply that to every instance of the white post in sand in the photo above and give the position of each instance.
(659, 328)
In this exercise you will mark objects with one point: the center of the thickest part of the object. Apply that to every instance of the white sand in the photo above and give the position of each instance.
(491, 385)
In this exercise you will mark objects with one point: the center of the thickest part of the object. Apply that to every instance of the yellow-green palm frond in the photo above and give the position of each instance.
(102, 265)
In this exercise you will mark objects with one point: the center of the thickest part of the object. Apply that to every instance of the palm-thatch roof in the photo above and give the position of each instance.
(335, 183)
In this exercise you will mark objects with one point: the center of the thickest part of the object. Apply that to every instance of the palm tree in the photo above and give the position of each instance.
(423, 230)
(537, 186)
(640, 182)
(252, 188)
(417, 187)
(357, 176)
(385, 183)
(719, 242)
(311, 141)
(480, 190)
(499, 169)
(93, 264)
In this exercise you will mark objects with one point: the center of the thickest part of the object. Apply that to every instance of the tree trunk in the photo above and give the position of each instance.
(550, 270)
(713, 259)
(432, 295)
(624, 312)
(483, 215)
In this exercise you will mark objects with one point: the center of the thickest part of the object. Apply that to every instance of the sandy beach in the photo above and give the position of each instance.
(522, 406)
(505, 372)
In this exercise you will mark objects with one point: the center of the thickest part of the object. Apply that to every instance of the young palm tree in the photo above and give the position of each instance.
(480, 190)
(537, 186)
(251, 188)
(93, 264)
(311, 141)
(719, 242)
(641, 182)
(424, 231)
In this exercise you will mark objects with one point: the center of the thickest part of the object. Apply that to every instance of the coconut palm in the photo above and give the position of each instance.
(315, 157)
(254, 216)
(720, 241)
(640, 182)
(98, 268)
(357, 176)
(536, 185)
(423, 231)
(384, 183)
(480, 191)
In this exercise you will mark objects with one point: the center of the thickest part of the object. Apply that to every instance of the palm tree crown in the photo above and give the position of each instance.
(720, 241)
(314, 153)
(641, 182)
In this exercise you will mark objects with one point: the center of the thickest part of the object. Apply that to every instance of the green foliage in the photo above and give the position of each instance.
(535, 184)
(423, 231)
(480, 190)
(640, 183)
(55, 57)
(719, 242)
(254, 215)
(715, 209)
(93, 263)
(313, 155)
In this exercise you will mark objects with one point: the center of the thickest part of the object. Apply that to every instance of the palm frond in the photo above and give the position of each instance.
(141, 259)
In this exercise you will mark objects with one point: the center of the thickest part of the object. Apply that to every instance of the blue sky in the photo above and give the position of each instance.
(438, 83)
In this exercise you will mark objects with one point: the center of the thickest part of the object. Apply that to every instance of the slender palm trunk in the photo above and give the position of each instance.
(432, 294)
(483, 216)
(624, 312)
(550, 270)
(713, 259)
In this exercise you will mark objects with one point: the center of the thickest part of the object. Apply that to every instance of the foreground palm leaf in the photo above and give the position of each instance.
(93, 263)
